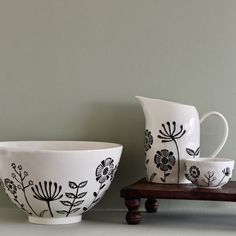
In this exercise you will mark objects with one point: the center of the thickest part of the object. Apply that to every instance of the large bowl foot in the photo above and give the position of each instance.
(54, 221)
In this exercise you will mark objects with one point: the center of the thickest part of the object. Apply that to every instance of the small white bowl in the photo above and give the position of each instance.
(55, 182)
(209, 172)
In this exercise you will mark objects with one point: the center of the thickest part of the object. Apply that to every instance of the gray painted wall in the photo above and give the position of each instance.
(69, 70)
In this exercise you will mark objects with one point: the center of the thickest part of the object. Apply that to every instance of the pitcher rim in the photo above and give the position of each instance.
(161, 100)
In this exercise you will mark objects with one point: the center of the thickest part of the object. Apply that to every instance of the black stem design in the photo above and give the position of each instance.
(220, 181)
(178, 159)
(49, 207)
(227, 173)
(172, 135)
(75, 197)
(23, 187)
(210, 178)
(45, 194)
(96, 195)
(76, 194)
(21, 205)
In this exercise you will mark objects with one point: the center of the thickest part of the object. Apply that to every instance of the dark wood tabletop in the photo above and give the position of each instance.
(153, 191)
(144, 189)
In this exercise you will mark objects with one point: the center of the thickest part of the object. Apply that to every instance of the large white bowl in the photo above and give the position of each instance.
(209, 172)
(55, 182)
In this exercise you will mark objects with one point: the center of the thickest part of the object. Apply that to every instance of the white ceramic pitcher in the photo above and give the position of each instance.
(172, 135)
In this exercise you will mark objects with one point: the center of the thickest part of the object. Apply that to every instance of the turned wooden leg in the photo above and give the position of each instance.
(151, 205)
(133, 215)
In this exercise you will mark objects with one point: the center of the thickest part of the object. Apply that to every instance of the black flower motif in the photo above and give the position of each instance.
(194, 172)
(164, 159)
(148, 140)
(20, 176)
(227, 171)
(47, 192)
(10, 186)
(169, 134)
(104, 170)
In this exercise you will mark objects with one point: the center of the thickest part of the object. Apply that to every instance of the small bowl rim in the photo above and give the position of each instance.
(215, 160)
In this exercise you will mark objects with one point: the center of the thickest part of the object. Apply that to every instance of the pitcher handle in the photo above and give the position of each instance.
(226, 130)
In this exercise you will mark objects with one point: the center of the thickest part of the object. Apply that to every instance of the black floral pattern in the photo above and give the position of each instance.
(148, 140)
(209, 179)
(165, 160)
(10, 186)
(105, 170)
(49, 191)
(194, 172)
(45, 192)
(169, 134)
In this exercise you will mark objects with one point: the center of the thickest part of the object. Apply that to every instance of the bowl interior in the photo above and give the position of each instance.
(57, 145)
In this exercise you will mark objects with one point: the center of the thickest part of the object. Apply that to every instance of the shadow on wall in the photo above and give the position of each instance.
(119, 123)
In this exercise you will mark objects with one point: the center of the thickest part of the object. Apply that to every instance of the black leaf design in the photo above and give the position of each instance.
(75, 210)
(95, 194)
(83, 184)
(72, 185)
(66, 203)
(78, 203)
(197, 151)
(62, 212)
(70, 195)
(190, 151)
(81, 195)
(102, 186)
(167, 174)
(163, 180)
(152, 176)
(97, 199)
(42, 213)
(74, 196)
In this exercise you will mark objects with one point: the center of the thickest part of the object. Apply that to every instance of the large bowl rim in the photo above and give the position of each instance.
(101, 146)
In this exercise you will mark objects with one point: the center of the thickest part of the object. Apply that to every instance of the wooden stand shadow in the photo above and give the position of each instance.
(152, 191)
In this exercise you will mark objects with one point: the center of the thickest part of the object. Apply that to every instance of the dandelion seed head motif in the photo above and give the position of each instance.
(47, 192)
(169, 134)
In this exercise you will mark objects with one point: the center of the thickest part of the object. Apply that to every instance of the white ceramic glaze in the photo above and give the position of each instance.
(54, 182)
(209, 172)
(172, 134)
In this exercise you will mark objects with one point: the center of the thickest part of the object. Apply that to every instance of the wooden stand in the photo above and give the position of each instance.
(152, 191)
